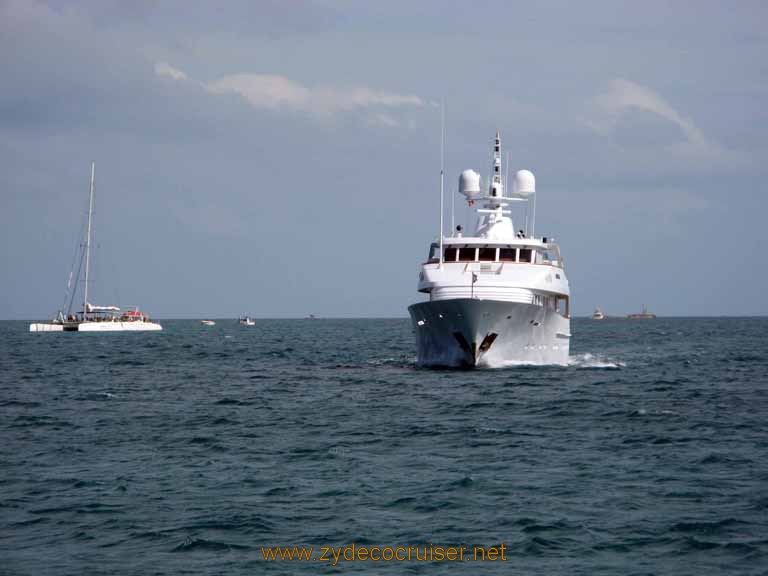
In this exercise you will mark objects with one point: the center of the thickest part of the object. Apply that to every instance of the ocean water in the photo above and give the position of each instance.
(186, 452)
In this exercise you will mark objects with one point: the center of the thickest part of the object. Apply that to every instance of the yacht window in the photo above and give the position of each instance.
(508, 254)
(434, 252)
(487, 255)
(543, 257)
(525, 254)
(466, 254)
(450, 254)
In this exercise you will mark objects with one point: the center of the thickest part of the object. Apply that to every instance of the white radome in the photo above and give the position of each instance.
(524, 184)
(469, 184)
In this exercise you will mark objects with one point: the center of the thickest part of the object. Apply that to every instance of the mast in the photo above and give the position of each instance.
(442, 171)
(88, 242)
(496, 182)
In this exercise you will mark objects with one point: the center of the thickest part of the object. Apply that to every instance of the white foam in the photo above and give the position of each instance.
(513, 364)
(594, 361)
(644, 412)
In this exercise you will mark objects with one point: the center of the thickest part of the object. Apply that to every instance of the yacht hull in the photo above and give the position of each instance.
(466, 332)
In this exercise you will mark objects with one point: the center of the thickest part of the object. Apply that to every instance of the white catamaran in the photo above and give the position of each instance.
(495, 297)
(93, 318)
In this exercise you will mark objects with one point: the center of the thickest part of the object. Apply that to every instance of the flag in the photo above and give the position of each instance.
(474, 277)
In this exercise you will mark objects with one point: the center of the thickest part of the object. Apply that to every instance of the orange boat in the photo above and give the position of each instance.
(641, 315)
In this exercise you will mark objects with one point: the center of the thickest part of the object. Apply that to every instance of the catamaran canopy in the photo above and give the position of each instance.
(91, 308)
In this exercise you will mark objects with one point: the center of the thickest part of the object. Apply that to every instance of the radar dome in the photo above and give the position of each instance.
(469, 184)
(524, 184)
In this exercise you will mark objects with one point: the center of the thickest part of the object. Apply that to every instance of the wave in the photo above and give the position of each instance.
(707, 527)
(193, 544)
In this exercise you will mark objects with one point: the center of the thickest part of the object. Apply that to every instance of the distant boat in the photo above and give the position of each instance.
(641, 315)
(93, 318)
(246, 321)
(598, 314)
(207, 322)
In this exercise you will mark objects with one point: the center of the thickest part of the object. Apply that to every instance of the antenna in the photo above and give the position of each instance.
(526, 218)
(453, 191)
(442, 171)
(453, 210)
(506, 173)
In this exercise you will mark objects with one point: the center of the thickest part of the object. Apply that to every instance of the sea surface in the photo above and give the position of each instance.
(187, 451)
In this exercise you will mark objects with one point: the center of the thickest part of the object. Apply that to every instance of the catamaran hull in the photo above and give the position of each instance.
(97, 327)
(467, 332)
(134, 326)
(43, 327)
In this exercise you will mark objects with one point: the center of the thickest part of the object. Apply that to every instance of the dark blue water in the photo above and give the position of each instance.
(187, 451)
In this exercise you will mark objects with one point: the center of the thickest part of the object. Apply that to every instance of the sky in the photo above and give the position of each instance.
(281, 157)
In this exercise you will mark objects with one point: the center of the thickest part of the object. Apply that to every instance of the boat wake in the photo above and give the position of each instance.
(593, 361)
(494, 365)
(580, 362)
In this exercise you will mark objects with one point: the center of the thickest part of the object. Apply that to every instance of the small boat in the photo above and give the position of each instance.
(598, 314)
(92, 318)
(207, 322)
(644, 315)
(246, 321)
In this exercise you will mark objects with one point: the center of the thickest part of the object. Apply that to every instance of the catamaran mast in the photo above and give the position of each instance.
(88, 242)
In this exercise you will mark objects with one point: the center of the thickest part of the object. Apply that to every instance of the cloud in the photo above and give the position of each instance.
(274, 92)
(624, 96)
(263, 91)
(278, 92)
(165, 69)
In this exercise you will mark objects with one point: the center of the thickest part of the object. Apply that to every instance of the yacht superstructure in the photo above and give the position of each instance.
(496, 297)
(93, 318)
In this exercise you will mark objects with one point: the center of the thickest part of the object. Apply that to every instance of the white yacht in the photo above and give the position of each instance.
(93, 318)
(598, 314)
(497, 297)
